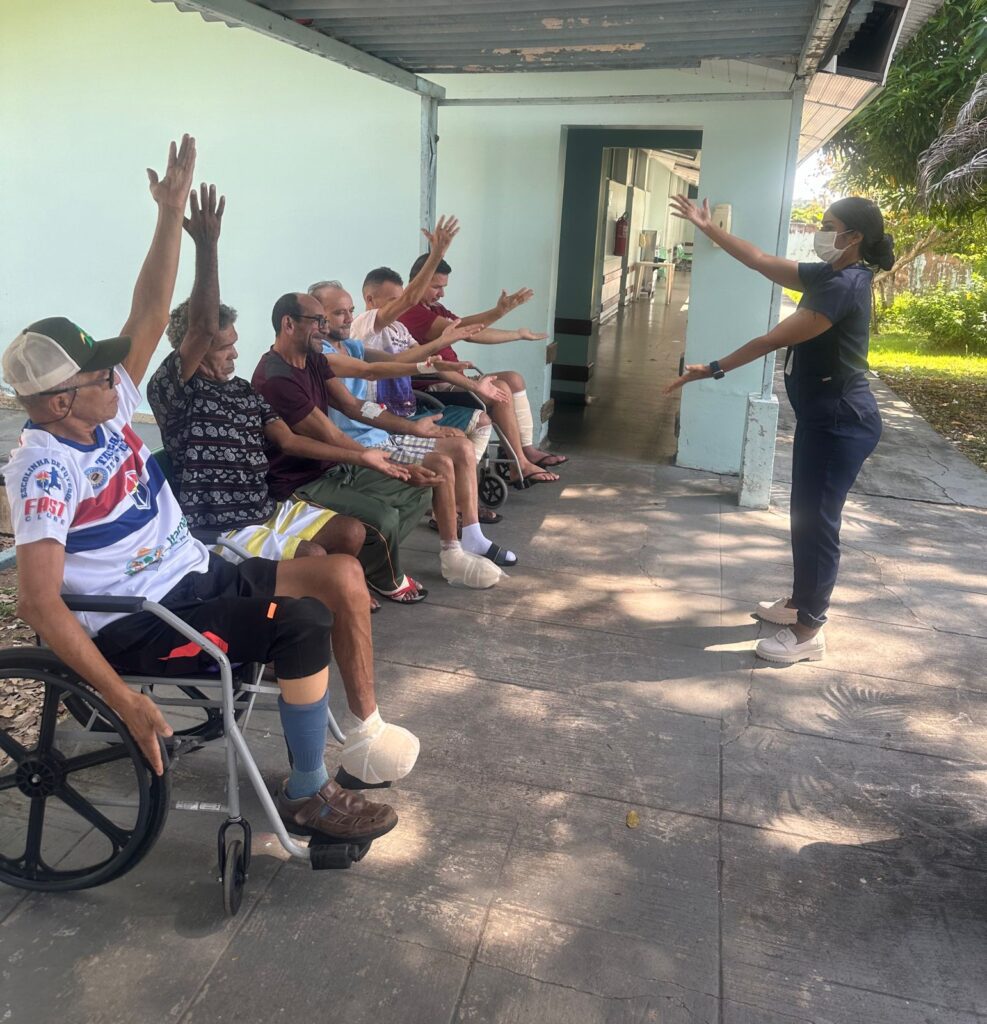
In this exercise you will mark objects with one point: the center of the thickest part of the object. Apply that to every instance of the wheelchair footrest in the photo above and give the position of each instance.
(347, 781)
(326, 855)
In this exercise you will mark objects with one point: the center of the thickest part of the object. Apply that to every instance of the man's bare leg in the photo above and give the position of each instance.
(337, 581)
(342, 535)
(532, 452)
(502, 413)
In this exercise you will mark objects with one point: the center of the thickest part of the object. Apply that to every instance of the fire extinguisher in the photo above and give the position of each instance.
(620, 237)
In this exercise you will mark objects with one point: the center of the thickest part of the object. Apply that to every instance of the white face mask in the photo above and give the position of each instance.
(825, 245)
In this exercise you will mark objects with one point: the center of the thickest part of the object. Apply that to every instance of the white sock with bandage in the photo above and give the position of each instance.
(376, 751)
(525, 422)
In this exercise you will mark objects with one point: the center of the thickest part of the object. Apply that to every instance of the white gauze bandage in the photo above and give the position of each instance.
(376, 751)
(462, 569)
(479, 437)
(525, 424)
(371, 410)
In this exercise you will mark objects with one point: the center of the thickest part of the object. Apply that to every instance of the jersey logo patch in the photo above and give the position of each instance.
(49, 477)
(137, 490)
(145, 559)
(97, 477)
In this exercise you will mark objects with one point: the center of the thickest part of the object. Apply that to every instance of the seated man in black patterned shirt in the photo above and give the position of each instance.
(215, 428)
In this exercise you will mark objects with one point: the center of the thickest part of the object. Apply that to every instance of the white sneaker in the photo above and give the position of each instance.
(785, 648)
(777, 612)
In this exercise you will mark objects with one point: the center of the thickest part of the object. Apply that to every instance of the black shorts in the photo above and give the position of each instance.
(234, 606)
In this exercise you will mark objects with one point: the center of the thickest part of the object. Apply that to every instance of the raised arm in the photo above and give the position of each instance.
(774, 268)
(439, 241)
(417, 353)
(40, 570)
(340, 449)
(156, 281)
(203, 225)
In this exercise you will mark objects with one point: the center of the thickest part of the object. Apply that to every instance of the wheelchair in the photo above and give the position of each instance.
(495, 466)
(80, 806)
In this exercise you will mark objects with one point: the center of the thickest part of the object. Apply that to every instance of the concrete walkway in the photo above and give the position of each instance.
(811, 842)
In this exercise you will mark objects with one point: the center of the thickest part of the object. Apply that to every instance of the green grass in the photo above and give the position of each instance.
(901, 353)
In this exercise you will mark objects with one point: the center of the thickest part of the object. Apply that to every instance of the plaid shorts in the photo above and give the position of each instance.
(408, 449)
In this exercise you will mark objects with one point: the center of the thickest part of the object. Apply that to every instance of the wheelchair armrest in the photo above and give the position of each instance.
(102, 603)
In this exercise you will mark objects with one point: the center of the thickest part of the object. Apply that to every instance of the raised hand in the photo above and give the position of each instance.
(524, 334)
(694, 372)
(686, 209)
(441, 238)
(508, 302)
(489, 391)
(456, 333)
(204, 222)
(378, 459)
(173, 189)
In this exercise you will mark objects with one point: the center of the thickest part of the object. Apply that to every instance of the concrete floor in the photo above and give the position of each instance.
(811, 843)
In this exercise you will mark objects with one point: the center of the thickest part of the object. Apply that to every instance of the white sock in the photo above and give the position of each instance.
(473, 539)
(479, 437)
(525, 423)
(476, 543)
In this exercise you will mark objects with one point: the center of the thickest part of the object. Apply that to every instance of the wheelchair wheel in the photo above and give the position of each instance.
(234, 875)
(493, 491)
(77, 809)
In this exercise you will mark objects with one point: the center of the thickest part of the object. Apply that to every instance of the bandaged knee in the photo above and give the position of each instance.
(462, 569)
(525, 423)
(479, 437)
(376, 751)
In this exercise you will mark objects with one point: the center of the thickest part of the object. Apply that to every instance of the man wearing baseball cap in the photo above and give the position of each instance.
(93, 514)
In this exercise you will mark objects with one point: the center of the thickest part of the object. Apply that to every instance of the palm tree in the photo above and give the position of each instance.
(952, 172)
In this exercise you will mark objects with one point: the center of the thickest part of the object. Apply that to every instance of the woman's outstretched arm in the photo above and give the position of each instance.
(774, 268)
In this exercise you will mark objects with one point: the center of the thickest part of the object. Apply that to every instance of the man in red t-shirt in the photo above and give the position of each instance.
(503, 392)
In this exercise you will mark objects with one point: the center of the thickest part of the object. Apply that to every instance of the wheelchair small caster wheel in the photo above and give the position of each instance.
(493, 491)
(336, 856)
(234, 876)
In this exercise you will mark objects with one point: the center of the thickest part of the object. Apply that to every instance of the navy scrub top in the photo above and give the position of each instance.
(844, 298)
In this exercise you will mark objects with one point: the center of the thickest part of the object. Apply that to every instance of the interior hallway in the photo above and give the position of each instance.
(637, 355)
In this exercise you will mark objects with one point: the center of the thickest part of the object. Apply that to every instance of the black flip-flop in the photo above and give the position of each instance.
(488, 517)
(500, 556)
(543, 463)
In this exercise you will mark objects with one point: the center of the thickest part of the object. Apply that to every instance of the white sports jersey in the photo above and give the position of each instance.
(108, 504)
(393, 338)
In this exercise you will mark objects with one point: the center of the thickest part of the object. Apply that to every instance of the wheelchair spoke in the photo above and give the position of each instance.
(35, 826)
(11, 747)
(117, 836)
(104, 755)
(49, 717)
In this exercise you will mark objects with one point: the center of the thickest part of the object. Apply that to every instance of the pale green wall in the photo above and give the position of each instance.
(319, 164)
(500, 169)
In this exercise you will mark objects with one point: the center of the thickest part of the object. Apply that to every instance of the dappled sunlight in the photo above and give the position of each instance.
(793, 831)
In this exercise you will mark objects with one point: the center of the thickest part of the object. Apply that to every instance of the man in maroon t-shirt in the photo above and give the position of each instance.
(504, 392)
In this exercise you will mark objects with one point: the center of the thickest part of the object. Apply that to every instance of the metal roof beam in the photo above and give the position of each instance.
(566, 101)
(276, 26)
(825, 22)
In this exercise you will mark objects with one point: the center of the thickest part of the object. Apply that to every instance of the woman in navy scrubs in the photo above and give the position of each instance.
(837, 421)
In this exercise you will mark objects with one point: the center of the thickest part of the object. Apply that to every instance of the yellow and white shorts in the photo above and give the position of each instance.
(278, 538)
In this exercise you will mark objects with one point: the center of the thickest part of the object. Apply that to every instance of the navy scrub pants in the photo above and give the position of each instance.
(837, 426)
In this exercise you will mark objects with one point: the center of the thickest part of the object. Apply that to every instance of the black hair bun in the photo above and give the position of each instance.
(880, 253)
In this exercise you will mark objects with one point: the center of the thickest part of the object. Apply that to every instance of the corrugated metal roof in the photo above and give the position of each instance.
(441, 36)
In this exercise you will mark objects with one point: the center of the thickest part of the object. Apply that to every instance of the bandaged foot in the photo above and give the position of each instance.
(376, 751)
(462, 569)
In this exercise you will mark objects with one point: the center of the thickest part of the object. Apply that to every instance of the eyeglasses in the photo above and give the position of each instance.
(320, 321)
(109, 381)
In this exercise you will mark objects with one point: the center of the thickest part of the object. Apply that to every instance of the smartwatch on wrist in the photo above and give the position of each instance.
(714, 369)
